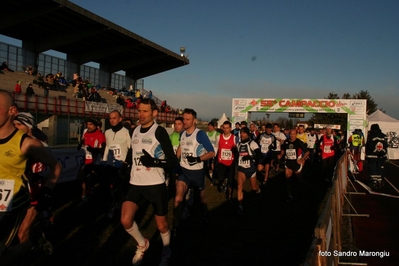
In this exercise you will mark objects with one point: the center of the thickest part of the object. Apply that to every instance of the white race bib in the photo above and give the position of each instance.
(116, 151)
(226, 154)
(290, 154)
(327, 149)
(6, 194)
(244, 164)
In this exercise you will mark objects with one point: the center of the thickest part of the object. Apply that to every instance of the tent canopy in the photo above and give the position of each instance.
(222, 120)
(380, 116)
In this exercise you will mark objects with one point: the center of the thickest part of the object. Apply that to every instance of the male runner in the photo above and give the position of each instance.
(292, 149)
(152, 151)
(93, 143)
(280, 138)
(118, 142)
(16, 147)
(226, 145)
(209, 165)
(267, 142)
(248, 152)
(195, 148)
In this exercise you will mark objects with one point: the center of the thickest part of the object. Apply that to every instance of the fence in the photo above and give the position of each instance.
(327, 242)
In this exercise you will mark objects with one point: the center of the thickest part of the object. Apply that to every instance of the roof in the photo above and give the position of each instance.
(379, 116)
(68, 28)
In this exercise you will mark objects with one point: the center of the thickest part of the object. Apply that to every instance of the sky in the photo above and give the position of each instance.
(266, 49)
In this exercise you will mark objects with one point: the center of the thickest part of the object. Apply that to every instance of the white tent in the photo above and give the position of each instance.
(390, 127)
(222, 120)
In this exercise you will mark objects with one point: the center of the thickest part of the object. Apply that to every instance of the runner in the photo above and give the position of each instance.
(292, 149)
(328, 144)
(152, 152)
(34, 172)
(209, 165)
(267, 142)
(280, 138)
(195, 148)
(118, 143)
(227, 148)
(248, 152)
(17, 148)
(93, 143)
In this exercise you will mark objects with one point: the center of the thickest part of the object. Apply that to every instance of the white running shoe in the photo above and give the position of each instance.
(138, 257)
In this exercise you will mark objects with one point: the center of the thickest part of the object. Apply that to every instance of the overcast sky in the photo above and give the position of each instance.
(266, 49)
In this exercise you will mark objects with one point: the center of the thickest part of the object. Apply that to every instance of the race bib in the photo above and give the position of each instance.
(6, 193)
(116, 151)
(88, 156)
(290, 154)
(266, 142)
(226, 154)
(244, 164)
(327, 149)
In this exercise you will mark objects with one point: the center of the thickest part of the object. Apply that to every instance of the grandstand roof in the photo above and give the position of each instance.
(66, 27)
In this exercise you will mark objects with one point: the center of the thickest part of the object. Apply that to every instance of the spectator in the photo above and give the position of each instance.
(46, 88)
(150, 94)
(18, 88)
(29, 70)
(38, 80)
(131, 90)
(29, 90)
(5, 67)
(120, 100)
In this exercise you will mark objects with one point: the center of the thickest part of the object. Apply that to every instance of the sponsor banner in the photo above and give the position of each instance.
(95, 107)
(71, 161)
(280, 105)
(321, 126)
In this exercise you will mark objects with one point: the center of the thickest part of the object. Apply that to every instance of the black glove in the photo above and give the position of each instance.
(124, 172)
(246, 157)
(193, 160)
(79, 146)
(90, 149)
(148, 161)
(43, 199)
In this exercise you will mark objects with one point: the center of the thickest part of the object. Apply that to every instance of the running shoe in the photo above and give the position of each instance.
(83, 201)
(289, 199)
(224, 185)
(166, 254)
(138, 257)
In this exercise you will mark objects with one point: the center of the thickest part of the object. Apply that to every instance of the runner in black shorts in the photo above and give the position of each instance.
(152, 151)
(293, 148)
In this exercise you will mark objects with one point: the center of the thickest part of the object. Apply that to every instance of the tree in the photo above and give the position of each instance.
(371, 104)
(341, 119)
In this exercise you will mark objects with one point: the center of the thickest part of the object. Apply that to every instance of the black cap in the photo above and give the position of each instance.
(269, 125)
(245, 129)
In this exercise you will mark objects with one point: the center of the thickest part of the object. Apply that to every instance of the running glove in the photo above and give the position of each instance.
(148, 161)
(193, 160)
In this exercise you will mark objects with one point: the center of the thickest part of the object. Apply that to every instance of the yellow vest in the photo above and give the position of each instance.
(12, 167)
(356, 140)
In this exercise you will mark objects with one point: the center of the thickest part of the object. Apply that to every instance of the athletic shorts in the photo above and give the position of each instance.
(266, 159)
(294, 166)
(249, 172)
(224, 171)
(274, 156)
(193, 178)
(155, 194)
